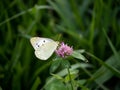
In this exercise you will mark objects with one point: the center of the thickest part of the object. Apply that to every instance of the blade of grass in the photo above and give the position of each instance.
(24, 12)
(64, 12)
(111, 68)
(112, 47)
(99, 84)
(77, 15)
(105, 72)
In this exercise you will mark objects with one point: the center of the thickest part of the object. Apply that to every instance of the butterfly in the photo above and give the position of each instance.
(44, 47)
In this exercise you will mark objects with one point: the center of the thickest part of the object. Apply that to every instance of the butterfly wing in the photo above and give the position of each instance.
(46, 50)
(38, 42)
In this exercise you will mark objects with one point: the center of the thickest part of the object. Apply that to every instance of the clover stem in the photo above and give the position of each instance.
(70, 78)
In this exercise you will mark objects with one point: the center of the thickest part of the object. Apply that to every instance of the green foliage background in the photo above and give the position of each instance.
(93, 25)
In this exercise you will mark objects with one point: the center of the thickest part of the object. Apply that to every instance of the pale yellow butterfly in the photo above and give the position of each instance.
(44, 47)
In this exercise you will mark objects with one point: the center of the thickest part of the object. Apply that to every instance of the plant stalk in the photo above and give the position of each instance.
(70, 78)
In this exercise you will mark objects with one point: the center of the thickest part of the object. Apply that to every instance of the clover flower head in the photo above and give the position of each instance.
(64, 50)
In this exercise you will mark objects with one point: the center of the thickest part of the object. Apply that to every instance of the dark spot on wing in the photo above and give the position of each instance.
(44, 41)
(37, 44)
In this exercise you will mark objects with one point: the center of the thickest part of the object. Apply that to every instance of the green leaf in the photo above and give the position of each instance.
(73, 75)
(55, 65)
(16, 85)
(1, 88)
(36, 84)
(57, 76)
(81, 84)
(65, 63)
(77, 54)
(56, 85)
(106, 71)
(112, 47)
(64, 72)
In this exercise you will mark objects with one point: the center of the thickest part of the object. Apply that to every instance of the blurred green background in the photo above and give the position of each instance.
(93, 25)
